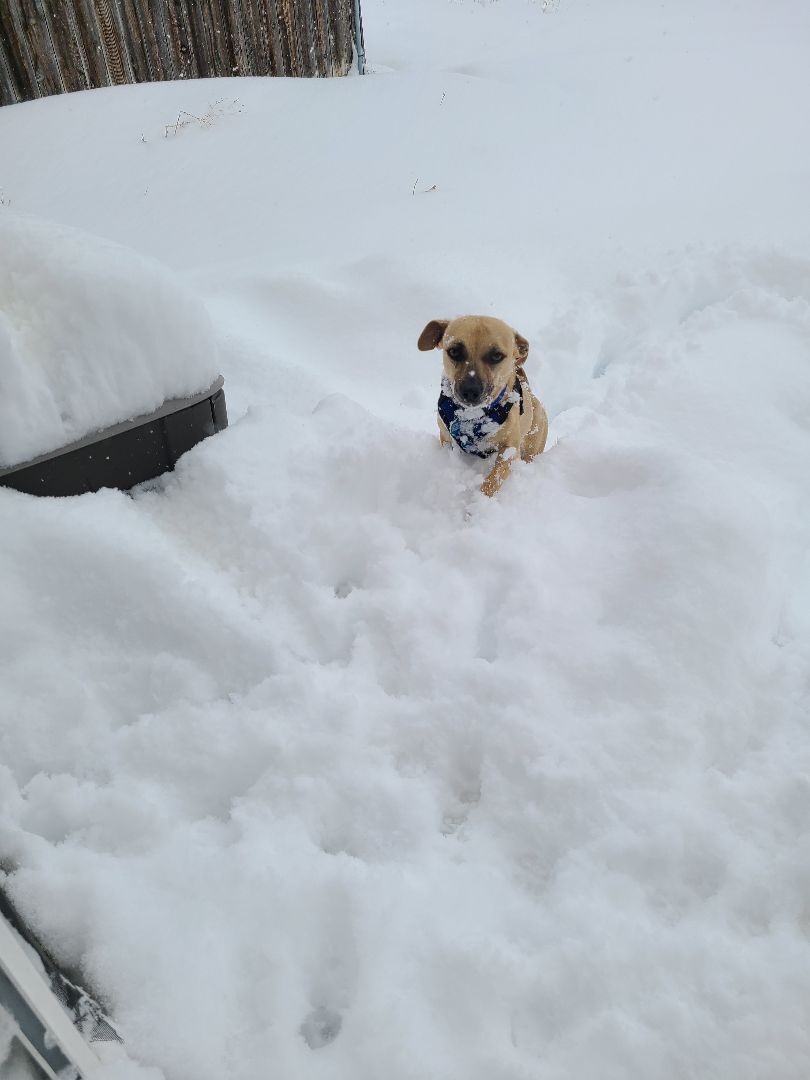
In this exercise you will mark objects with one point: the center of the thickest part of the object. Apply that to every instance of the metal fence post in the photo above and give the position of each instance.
(359, 44)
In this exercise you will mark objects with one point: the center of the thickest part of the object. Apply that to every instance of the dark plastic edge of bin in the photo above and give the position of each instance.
(125, 454)
(172, 405)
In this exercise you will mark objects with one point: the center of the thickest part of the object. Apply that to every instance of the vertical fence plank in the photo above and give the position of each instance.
(288, 16)
(50, 46)
(16, 67)
(281, 48)
(200, 36)
(258, 30)
(227, 33)
(45, 54)
(181, 41)
(303, 23)
(118, 67)
(139, 40)
(73, 59)
(89, 37)
(325, 37)
(342, 18)
(10, 88)
(162, 23)
(242, 43)
(28, 31)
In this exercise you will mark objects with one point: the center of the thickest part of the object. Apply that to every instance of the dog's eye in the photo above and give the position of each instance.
(494, 357)
(456, 352)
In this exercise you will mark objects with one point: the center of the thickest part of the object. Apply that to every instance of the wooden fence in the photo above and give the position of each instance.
(53, 46)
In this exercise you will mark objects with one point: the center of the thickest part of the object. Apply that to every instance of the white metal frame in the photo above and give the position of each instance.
(24, 977)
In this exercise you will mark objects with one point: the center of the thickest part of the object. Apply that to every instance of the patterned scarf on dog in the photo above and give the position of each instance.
(470, 426)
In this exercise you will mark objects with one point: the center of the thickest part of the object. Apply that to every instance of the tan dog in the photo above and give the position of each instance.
(486, 405)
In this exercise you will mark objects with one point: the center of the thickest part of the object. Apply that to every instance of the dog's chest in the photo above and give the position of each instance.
(476, 429)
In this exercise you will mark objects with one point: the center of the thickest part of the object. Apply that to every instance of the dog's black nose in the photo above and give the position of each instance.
(470, 389)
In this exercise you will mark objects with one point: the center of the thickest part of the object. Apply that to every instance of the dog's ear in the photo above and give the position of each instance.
(432, 334)
(522, 347)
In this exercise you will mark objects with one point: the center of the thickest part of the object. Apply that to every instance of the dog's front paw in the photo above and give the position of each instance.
(499, 471)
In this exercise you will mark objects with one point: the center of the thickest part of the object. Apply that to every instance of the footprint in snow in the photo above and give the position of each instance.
(321, 1027)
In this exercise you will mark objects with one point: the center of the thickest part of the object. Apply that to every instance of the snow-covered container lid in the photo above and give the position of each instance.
(91, 334)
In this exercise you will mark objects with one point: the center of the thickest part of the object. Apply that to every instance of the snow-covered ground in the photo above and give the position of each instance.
(313, 761)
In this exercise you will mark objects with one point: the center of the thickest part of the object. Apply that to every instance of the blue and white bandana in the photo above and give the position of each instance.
(471, 426)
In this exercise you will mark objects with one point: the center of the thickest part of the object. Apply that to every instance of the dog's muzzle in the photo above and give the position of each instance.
(470, 389)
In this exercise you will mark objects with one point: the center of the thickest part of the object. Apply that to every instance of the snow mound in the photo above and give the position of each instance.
(397, 780)
(91, 334)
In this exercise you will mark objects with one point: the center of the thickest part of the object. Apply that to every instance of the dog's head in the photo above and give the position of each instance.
(480, 355)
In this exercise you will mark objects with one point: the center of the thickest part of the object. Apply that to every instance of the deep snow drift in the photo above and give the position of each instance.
(315, 762)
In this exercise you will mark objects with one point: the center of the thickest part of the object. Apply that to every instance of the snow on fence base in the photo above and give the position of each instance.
(126, 454)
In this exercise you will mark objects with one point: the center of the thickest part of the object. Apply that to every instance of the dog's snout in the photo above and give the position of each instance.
(470, 389)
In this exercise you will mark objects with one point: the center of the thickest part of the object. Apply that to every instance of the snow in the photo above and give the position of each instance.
(313, 759)
(90, 334)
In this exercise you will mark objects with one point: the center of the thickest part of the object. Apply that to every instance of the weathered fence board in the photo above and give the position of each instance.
(52, 46)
